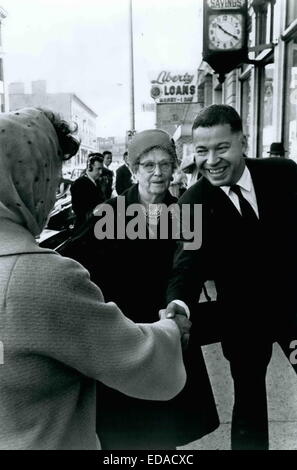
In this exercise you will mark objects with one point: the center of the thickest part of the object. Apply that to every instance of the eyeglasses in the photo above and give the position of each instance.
(150, 167)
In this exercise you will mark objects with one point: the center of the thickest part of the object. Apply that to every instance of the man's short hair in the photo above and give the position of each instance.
(107, 152)
(218, 114)
(94, 157)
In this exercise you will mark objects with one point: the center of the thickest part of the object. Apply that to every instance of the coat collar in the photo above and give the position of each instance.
(16, 239)
(132, 196)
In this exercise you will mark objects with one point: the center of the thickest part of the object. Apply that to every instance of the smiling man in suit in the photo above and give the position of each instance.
(249, 249)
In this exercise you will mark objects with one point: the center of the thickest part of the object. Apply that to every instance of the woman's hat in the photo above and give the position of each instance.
(148, 139)
(277, 148)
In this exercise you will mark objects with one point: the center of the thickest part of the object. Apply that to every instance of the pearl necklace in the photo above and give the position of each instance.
(152, 213)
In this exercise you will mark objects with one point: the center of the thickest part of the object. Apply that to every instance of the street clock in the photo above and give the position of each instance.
(225, 34)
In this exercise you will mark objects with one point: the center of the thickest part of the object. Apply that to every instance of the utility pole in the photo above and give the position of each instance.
(3, 91)
(132, 111)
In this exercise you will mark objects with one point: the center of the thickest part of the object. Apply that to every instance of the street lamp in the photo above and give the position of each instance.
(132, 112)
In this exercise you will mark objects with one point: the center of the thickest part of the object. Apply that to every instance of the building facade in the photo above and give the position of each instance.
(3, 92)
(116, 145)
(263, 91)
(69, 106)
(176, 104)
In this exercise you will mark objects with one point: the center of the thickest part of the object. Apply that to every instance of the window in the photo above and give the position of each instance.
(264, 12)
(291, 11)
(246, 110)
(266, 90)
(290, 129)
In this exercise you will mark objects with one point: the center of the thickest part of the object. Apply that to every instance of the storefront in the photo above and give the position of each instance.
(290, 111)
(257, 81)
(264, 90)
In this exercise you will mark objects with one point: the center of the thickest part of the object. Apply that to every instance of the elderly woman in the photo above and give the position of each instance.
(133, 270)
(58, 334)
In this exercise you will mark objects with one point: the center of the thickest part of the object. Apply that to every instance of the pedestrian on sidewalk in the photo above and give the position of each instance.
(134, 272)
(58, 334)
(248, 248)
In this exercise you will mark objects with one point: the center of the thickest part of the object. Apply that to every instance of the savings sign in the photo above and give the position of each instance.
(169, 87)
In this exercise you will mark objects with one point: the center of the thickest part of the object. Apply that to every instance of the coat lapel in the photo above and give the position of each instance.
(265, 194)
(220, 205)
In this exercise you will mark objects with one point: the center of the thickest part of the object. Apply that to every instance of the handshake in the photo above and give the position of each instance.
(178, 314)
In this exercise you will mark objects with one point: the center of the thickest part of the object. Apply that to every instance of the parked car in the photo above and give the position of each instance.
(76, 173)
(61, 219)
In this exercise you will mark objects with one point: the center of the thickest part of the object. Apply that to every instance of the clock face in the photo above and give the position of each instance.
(225, 32)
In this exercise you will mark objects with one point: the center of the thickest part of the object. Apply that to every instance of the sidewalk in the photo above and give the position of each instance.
(282, 401)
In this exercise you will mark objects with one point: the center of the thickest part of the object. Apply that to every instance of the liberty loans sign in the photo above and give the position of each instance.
(172, 87)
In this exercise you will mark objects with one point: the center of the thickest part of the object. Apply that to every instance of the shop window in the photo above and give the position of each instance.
(201, 94)
(290, 129)
(246, 110)
(264, 14)
(1, 70)
(291, 11)
(266, 90)
(217, 94)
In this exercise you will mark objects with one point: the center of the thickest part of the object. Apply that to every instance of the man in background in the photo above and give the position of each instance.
(86, 191)
(107, 175)
(123, 176)
(277, 149)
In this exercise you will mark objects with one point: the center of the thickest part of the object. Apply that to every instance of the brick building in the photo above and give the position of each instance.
(69, 106)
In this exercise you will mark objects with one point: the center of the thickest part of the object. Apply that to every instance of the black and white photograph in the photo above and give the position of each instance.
(148, 228)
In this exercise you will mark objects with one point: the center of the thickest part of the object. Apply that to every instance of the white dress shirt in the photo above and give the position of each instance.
(247, 190)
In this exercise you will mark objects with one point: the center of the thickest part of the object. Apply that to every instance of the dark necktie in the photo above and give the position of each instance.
(247, 212)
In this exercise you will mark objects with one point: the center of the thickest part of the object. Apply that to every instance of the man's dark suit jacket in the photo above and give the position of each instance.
(123, 179)
(254, 270)
(106, 182)
(85, 197)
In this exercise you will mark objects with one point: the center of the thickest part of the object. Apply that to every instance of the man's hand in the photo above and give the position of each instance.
(172, 310)
(177, 313)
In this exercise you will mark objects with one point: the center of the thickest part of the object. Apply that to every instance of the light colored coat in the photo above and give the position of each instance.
(59, 337)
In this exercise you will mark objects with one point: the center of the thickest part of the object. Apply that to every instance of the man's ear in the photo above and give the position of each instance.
(244, 143)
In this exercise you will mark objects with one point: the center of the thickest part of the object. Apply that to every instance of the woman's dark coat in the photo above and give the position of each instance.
(134, 274)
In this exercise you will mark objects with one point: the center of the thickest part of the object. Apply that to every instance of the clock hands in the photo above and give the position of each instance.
(227, 32)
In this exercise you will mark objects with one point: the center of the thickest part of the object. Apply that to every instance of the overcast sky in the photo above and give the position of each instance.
(83, 47)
